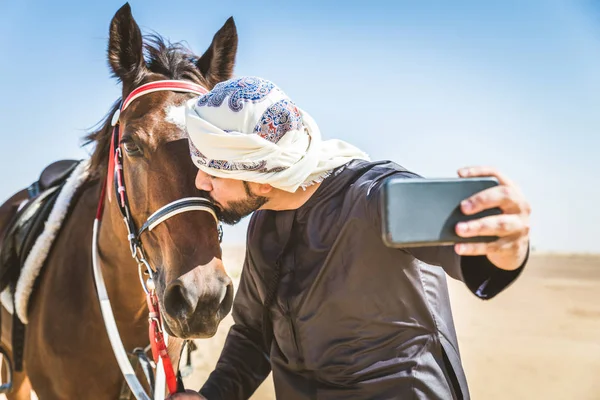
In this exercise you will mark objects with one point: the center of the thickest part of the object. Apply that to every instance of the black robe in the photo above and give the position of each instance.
(351, 318)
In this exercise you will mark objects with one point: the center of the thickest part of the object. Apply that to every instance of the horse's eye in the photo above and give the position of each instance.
(130, 147)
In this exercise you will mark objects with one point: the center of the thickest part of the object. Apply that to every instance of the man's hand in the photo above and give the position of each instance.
(512, 226)
(188, 395)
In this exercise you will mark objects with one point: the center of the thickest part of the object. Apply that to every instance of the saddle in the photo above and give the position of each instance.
(21, 234)
(28, 223)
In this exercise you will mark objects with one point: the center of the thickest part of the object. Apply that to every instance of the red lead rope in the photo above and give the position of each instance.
(157, 342)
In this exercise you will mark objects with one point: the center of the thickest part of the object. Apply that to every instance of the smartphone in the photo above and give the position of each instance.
(424, 212)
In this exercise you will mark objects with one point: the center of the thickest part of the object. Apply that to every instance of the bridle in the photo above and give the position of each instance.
(115, 167)
(115, 177)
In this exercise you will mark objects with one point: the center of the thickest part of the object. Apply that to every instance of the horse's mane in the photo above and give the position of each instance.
(173, 60)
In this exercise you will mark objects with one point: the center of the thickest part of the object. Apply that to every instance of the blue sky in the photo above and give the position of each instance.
(431, 85)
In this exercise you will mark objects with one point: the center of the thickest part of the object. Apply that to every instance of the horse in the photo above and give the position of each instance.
(67, 353)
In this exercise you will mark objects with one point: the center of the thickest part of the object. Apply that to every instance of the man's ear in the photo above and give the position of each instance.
(264, 188)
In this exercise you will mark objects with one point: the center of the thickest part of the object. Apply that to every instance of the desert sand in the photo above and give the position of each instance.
(539, 339)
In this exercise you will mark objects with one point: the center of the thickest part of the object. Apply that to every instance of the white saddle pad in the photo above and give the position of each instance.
(39, 251)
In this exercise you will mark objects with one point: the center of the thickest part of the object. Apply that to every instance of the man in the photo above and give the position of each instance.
(322, 302)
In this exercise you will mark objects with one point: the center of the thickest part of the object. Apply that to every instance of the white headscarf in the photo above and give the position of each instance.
(248, 129)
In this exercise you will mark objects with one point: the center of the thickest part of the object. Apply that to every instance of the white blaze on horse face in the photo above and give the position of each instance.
(176, 115)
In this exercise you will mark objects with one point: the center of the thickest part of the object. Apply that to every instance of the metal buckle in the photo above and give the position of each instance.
(139, 255)
(147, 285)
(132, 241)
(158, 327)
(133, 247)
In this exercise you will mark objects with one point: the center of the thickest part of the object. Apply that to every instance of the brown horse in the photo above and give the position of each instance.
(67, 351)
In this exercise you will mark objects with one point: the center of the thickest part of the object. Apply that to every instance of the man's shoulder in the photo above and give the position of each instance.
(356, 181)
(371, 174)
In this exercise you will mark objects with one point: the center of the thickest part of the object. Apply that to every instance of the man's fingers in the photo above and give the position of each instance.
(471, 249)
(477, 171)
(495, 225)
(512, 226)
(507, 198)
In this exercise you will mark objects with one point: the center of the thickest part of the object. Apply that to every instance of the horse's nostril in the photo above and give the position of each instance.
(176, 301)
(226, 302)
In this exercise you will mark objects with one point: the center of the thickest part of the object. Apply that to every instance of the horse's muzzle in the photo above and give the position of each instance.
(196, 302)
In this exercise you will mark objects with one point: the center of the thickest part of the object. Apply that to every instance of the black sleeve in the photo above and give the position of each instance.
(244, 362)
(483, 278)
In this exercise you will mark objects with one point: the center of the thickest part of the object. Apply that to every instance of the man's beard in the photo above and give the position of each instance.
(238, 209)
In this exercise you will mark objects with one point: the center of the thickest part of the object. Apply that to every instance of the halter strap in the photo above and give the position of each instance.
(169, 85)
(178, 207)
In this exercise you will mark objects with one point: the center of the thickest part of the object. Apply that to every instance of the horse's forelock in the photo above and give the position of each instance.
(172, 60)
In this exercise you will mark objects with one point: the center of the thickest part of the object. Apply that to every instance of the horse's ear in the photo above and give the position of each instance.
(216, 64)
(125, 47)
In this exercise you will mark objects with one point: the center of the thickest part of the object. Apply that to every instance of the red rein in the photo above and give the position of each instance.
(157, 341)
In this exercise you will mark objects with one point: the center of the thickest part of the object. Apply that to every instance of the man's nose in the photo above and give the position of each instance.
(203, 181)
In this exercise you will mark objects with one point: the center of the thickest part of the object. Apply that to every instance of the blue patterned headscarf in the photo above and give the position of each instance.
(248, 129)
